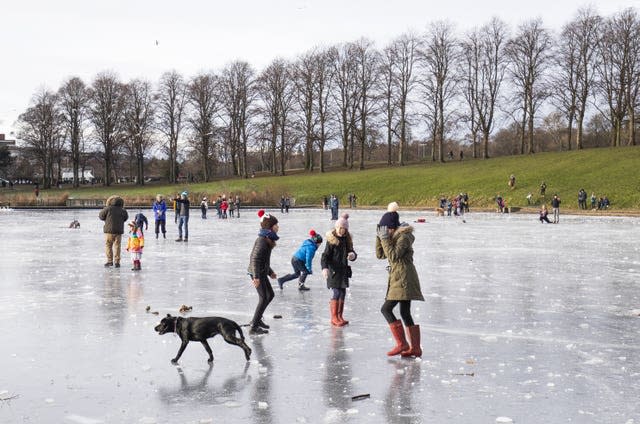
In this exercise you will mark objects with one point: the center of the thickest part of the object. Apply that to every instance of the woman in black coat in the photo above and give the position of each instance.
(338, 250)
(260, 269)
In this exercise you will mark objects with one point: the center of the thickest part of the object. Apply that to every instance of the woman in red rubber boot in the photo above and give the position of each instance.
(394, 242)
(338, 251)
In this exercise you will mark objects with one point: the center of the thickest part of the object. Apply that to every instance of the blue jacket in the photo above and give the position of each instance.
(306, 253)
(159, 210)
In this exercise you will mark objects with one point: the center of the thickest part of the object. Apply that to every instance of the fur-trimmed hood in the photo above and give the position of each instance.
(402, 229)
(115, 200)
(332, 237)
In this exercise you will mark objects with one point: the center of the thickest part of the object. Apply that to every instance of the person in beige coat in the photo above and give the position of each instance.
(394, 242)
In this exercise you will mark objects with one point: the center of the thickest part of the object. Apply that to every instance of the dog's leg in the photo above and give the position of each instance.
(208, 349)
(238, 342)
(183, 346)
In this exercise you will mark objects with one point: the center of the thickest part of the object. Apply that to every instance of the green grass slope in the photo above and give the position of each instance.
(613, 172)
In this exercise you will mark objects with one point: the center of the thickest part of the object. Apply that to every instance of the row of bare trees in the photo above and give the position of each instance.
(438, 86)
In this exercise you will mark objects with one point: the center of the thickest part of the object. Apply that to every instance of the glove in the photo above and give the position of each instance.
(382, 232)
(351, 256)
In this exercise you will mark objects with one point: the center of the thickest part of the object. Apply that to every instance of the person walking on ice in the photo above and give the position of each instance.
(260, 269)
(337, 251)
(394, 242)
(302, 261)
(114, 216)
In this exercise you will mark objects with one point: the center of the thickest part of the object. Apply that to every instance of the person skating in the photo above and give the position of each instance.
(302, 261)
(141, 221)
(394, 242)
(260, 269)
(338, 250)
(543, 215)
(182, 211)
(114, 216)
(135, 244)
(160, 215)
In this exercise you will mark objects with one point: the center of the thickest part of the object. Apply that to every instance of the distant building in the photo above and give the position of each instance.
(10, 144)
(87, 176)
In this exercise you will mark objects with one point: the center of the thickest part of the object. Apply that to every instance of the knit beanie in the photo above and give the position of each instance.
(266, 221)
(317, 238)
(390, 219)
(343, 221)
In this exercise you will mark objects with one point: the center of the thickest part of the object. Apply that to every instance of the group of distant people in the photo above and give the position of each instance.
(456, 205)
(224, 208)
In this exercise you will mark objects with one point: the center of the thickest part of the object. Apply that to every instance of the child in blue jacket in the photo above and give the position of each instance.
(301, 261)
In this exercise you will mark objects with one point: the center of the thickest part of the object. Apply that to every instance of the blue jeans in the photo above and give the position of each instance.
(183, 220)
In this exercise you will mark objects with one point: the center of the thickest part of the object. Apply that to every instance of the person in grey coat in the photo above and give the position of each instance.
(114, 216)
(394, 242)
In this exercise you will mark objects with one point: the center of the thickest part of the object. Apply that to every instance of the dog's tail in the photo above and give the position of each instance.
(240, 329)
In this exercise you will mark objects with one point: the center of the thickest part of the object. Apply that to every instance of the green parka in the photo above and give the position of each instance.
(403, 283)
(114, 215)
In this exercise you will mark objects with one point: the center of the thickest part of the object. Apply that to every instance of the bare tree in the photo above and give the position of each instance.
(575, 59)
(74, 101)
(105, 112)
(632, 36)
(304, 72)
(238, 93)
(276, 92)
(366, 63)
(387, 96)
(346, 98)
(171, 100)
(323, 88)
(138, 122)
(41, 128)
(439, 56)
(529, 54)
(490, 70)
(203, 95)
(470, 50)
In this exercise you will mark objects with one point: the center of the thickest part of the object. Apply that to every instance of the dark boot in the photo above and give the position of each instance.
(414, 339)
(179, 239)
(257, 330)
(398, 335)
(333, 308)
(139, 265)
(340, 310)
(302, 287)
(262, 324)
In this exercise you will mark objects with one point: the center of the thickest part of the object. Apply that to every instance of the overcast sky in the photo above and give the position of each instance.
(43, 42)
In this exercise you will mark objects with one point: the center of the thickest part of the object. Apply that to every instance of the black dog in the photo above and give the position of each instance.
(199, 330)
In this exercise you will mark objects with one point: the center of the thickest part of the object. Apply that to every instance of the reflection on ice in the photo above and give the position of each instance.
(521, 320)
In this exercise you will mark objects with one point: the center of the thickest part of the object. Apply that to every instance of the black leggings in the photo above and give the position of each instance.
(160, 224)
(405, 311)
(265, 295)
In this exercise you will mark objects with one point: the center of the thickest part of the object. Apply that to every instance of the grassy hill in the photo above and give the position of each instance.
(614, 172)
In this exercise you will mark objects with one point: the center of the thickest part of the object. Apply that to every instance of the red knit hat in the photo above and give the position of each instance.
(266, 221)
(317, 238)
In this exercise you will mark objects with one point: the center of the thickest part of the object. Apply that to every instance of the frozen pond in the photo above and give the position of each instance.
(537, 323)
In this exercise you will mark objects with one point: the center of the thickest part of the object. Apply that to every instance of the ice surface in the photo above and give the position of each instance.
(535, 323)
